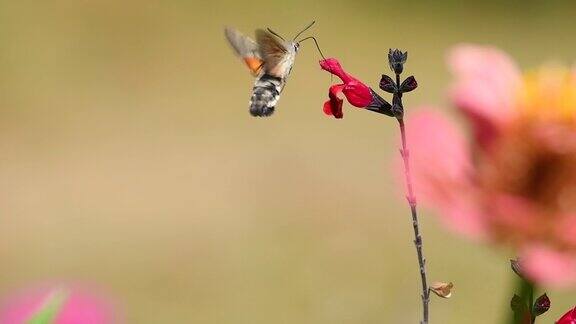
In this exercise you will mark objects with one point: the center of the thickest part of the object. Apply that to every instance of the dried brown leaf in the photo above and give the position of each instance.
(442, 289)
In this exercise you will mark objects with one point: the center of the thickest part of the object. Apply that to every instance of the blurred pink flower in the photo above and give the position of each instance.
(58, 305)
(568, 318)
(514, 182)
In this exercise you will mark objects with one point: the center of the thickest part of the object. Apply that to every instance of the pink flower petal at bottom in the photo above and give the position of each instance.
(443, 172)
(548, 267)
(78, 305)
(84, 308)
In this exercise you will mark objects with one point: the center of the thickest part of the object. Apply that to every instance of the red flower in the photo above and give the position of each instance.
(357, 93)
(568, 318)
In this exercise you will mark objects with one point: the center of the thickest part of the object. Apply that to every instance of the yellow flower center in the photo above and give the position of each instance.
(549, 94)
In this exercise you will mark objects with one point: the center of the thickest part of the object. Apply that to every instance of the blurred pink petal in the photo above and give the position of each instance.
(549, 267)
(443, 171)
(79, 305)
(515, 182)
(489, 63)
(515, 212)
(486, 83)
(566, 229)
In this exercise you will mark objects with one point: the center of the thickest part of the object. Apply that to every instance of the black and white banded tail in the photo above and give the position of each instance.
(265, 95)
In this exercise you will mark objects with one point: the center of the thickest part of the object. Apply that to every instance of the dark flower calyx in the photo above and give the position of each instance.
(541, 305)
(380, 105)
(387, 84)
(409, 84)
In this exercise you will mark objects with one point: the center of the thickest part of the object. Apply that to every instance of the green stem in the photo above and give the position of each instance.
(531, 302)
(527, 294)
(525, 290)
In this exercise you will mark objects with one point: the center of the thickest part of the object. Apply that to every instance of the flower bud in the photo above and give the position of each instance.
(396, 59)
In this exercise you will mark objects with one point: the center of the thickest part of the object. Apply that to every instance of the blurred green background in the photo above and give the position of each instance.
(128, 159)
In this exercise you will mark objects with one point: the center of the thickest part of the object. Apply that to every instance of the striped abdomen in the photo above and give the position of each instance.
(265, 95)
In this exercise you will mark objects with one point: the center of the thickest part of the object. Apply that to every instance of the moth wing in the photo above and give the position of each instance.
(246, 48)
(273, 52)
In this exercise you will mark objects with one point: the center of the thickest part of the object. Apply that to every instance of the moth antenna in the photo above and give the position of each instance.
(315, 42)
(275, 34)
(305, 29)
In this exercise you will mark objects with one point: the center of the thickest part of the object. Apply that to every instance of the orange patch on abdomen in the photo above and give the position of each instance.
(254, 64)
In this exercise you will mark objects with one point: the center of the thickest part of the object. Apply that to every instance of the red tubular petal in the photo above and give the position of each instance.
(357, 93)
(333, 66)
(568, 318)
(333, 106)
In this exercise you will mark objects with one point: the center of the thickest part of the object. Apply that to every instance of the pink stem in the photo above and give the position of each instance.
(417, 237)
